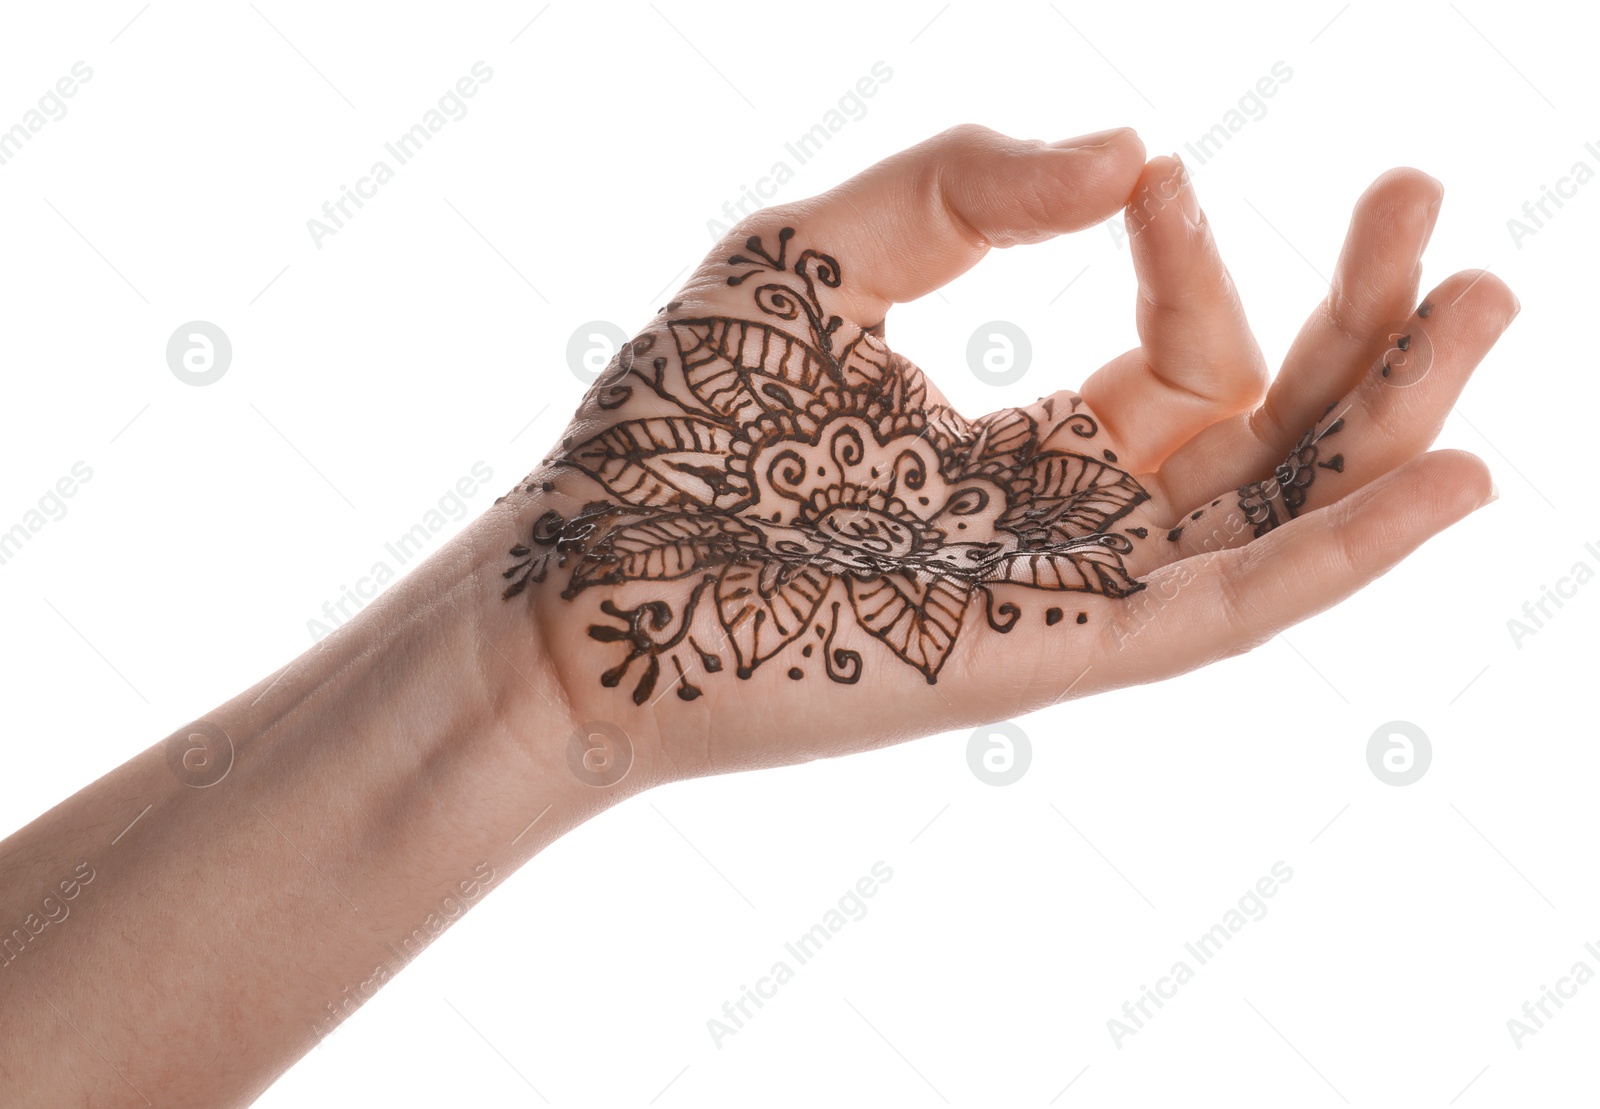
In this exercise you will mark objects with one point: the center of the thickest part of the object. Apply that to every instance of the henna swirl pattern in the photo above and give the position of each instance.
(789, 472)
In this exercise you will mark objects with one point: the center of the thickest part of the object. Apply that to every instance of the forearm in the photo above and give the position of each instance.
(214, 932)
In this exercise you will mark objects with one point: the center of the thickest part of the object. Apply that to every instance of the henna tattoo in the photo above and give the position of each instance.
(1288, 487)
(1403, 344)
(788, 476)
(711, 662)
(1009, 613)
(638, 625)
(686, 690)
(1290, 483)
(842, 666)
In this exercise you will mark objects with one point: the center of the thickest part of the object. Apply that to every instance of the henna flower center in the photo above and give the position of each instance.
(843, 493)
(868, 529)
(801, 479)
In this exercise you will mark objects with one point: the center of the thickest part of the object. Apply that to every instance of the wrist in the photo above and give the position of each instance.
(542, 646)
(338, 816)
(438, 691)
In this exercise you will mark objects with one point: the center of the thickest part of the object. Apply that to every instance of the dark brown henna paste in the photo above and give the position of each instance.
(1291, 482)
(786, 471)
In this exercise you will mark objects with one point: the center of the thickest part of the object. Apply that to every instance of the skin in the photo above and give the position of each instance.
(425, 743)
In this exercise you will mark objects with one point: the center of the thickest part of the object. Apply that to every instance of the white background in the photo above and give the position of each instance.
(370, 374)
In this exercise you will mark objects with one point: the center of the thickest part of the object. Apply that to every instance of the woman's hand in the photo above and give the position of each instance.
(766, 537)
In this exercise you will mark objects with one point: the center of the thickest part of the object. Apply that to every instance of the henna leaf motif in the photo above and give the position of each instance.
(659, 550)
(765, 605)
(1003, 441)
(916, 619)
(1070, 497)
(742, 370)
(665, 461)
(1095, 567)
(785, 470)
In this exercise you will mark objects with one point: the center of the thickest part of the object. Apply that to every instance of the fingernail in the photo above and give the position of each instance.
(1188, 200)
(1087, 142)
(1494, 493)
(1430, 220)
(1516, 308)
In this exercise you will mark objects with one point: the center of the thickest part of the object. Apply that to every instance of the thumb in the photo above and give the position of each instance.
(924, 216)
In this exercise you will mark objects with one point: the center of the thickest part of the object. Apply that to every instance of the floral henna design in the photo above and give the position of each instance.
(1288, 486)
(792, 482)
(1289, 483)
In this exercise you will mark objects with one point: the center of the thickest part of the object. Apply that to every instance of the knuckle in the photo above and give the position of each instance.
(965, 136)
(1267, 427)
(1235, 605)
(1243, 581)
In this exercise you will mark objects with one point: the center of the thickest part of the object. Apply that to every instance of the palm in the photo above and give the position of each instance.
(760, 504)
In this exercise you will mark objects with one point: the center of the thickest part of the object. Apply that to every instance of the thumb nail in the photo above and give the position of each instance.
(1088, 142)
(1187, 200)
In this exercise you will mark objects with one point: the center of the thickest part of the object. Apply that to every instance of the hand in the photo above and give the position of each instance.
(766, 537)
